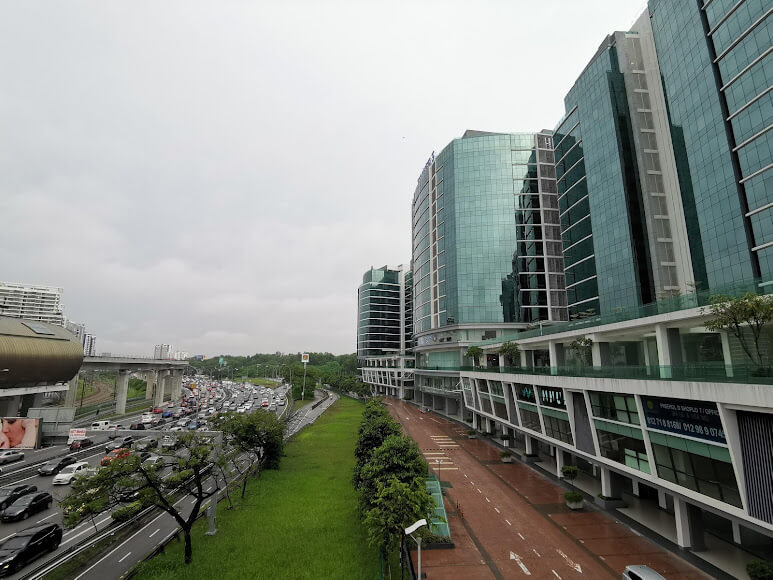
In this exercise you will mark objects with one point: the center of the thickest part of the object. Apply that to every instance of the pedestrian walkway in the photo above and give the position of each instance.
(509, 520)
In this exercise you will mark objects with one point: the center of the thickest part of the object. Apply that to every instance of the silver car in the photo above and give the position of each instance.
(10, 456)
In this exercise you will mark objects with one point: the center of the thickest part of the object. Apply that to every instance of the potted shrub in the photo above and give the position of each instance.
(506, 456)
(759, 570)
(569, 473)
(471, 434)
(574, 500)
(474, 352)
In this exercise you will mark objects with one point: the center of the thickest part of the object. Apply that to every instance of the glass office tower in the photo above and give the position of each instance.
(716, 62)
(484, 211)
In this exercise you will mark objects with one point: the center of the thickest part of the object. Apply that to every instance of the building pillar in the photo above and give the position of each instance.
(669, 349)
(600, 353)
(610, 484)
(736, 532)
(121, 390)
(72, 391)
(635, 487)
(726, 353)
(158, 398)
(527, 359)
(689, 526)
(150, 381)
(10, 406)
(529, 445)
(556, 352)
(662, 500)
(505, 439)
(559, 461)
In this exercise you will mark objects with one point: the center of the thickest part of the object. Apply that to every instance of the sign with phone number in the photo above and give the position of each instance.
(692, 418)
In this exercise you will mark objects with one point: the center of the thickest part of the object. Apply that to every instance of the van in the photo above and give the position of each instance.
(641, 572)
(100, 425)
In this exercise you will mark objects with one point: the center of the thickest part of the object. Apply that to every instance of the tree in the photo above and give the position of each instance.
(396, 506)
(373, 432)
(474, 352)
(582, 346)
(735, 314)
(128, 480)
(253, 442)
(511, 352)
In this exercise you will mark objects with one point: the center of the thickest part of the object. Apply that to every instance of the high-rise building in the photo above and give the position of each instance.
(384, 330)
(89, 345)
(162, 351)
(32, 302)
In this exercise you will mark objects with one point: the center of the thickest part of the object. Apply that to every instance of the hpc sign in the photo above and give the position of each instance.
(304, 358)
(76, 435)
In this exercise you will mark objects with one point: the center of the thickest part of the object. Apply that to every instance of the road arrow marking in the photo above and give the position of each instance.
(517, 558)
(570, 562)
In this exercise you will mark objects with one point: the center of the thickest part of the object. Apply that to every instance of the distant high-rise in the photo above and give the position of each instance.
(162, 351)
(33, 302)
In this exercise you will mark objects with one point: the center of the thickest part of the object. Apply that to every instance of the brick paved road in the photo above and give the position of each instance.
(509, 521)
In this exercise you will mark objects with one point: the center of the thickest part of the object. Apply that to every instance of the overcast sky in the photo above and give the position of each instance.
(219, 175)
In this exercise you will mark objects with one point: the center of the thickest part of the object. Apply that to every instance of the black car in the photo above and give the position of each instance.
(79, 444)
(28, 545)
(119, 442)
(10, 494)
(27, 505)
(137, 426)
(55, 465)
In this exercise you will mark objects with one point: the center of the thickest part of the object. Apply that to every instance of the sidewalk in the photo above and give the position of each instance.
(512, 521)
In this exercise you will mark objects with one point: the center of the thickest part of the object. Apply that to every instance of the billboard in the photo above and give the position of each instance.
(692, 418)
(20, 433)
(304, 358)
(76, 435)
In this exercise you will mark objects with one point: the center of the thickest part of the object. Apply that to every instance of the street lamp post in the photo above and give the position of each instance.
(409, 532)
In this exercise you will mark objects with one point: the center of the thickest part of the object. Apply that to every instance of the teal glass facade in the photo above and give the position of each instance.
(716, 63)
(605, 242)
(383, 305)
(483, 199)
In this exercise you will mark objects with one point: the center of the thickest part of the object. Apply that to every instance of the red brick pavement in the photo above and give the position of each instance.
(514, 521)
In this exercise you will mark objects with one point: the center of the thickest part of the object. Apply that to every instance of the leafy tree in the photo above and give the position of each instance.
(253, 442)
(373, 433)
(474, 352)
(127, 479)
(582, 346)
(396, 506)
(511, 352)
(750, 311)
(397, 457)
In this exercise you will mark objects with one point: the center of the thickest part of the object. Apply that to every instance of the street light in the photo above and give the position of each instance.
(409, 532)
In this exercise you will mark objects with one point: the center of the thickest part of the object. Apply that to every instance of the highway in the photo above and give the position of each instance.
(25, 472)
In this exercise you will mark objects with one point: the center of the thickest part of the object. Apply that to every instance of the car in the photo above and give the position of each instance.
(272, 407)
(155, 461)
(113, 455)
(177, 415)
(56, 465)
(137, 426)
(641, 572)
(11, 493)
(79, 444)
(27, 505)
(145, 445)
(119, 442)
(169, 443)
(170, 404)
(264, 403)
(10, 456)
(28, 545)
(158, 410)
(166, 414)
(176, 428)
(67, 474)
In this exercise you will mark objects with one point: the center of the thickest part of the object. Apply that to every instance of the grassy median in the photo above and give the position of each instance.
(298, 522)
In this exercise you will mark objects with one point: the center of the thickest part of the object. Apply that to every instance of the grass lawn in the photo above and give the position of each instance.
(300, 521)
(263, 382)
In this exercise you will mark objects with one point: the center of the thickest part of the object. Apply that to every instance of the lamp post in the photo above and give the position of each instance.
(409, 532)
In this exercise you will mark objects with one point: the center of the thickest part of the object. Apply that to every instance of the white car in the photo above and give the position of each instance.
(10, 456)
(69, 473)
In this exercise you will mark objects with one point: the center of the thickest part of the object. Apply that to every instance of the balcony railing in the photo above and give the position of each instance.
(698, 372)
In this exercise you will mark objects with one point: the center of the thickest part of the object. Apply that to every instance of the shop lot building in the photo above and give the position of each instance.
(597, 248)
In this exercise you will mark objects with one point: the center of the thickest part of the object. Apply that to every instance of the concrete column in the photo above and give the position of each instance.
(689, 526)
(9, 406)
(559, 461)
(600, 353)
(527, 359)
(121, 390)
(726, 356)
(506, 441)
(635, 487)
(610, 485)
(669, 348)
(72, 391)
(475, 422)
(158, 397)
(736, 532)
(662, 500)
(150, 379)
(529, 445)
(556, 351)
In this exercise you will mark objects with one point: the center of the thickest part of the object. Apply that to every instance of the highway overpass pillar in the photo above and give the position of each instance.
(177, 389)
(72, 391)
(163, 377)
(121, 390)
(150, 379)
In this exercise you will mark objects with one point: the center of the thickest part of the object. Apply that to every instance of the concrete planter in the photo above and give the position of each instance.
(575, 505)
(530, 458)
(507, 459)
(609, 503)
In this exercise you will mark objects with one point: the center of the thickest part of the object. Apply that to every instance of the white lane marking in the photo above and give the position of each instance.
(556, 573)
(5, 538)
(88, 525)
(154, 533)
(517, 558)
(126, 556)
(496, 510)
(508, 523)
(47, 517)
(536, 552)
(488, 500)
(520, 535)
(479, 491)
(570, 562)
(465, 475)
